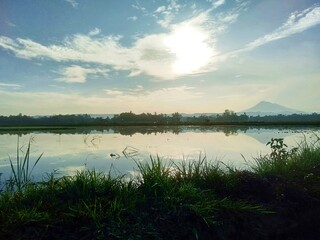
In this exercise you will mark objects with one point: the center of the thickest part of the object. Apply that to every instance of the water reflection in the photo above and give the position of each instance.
(69, 150)
(147, 130)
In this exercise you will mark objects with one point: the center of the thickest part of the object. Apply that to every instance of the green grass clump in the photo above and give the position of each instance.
(278, 199)
(293, 163)
(22, 168)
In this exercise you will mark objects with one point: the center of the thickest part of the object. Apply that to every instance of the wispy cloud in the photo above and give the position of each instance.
(137, 6)
(73, 3)
(57, 87)
(296, 23)
(83, 48)
(78, 74)
(10, 85)
(95, 32)
(166, 13)
(133, 18)
(148, 54)
(159, 98)
(164, 56)
(113, 92)
(11, 24)
(218, 3)
(113, 101)
(138, 90)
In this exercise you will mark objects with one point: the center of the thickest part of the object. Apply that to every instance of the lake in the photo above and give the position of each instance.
(116, 149)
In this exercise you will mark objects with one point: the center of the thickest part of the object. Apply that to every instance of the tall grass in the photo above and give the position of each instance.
(289, 163)
(191, 200)
(22, 169)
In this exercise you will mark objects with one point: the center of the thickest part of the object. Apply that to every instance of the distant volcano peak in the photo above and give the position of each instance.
(264, 108)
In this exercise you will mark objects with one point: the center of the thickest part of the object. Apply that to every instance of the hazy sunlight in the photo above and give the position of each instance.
(190, 48)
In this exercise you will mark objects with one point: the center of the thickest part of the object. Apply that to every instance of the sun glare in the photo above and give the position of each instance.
(190, 48)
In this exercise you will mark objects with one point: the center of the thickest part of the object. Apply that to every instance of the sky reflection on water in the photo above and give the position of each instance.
(68, 151)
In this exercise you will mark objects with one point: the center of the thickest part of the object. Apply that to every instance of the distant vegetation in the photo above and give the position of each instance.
(130, 118)
(278, 198)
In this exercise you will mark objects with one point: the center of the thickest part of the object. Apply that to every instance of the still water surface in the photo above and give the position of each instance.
(67, 151)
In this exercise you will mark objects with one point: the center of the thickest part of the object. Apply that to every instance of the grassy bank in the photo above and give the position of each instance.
(279, 198)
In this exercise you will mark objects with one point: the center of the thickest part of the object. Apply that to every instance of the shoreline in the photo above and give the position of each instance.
(224, 124)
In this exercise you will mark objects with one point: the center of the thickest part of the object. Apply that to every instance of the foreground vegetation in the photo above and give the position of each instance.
(278, 198)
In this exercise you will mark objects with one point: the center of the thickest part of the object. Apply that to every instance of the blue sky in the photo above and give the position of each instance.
(81, 56)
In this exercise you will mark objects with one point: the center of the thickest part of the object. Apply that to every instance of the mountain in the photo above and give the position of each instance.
(197, 114)
(102, 115)
(265, 108)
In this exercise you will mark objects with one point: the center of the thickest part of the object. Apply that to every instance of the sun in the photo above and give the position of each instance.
(190, 48)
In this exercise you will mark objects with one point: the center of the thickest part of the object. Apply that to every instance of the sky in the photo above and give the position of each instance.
(164, 56)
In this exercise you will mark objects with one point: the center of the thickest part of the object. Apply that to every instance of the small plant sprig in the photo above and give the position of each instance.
(21, 171)
(279, 150)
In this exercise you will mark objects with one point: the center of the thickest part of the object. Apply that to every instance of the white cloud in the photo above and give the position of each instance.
(78, 74)
(160, 9)
(95, 32)
(218, 3)
(138, 7)
(296, 23)
(151, 54)
(150, 97)
(148, 54)
(73, 3)
(10, 85)
(57, 87)
(183, 92)
(104, 50)
(166, 21)
(8, 43)
(166, 13)
(10, 24)
(138, 90)
(113, 92)
(134, 73)
(133, 18)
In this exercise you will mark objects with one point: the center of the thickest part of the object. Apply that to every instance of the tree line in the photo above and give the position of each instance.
(130, 118)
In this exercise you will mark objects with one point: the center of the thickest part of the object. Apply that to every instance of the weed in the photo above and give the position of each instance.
(289, 163)
(22, 169)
